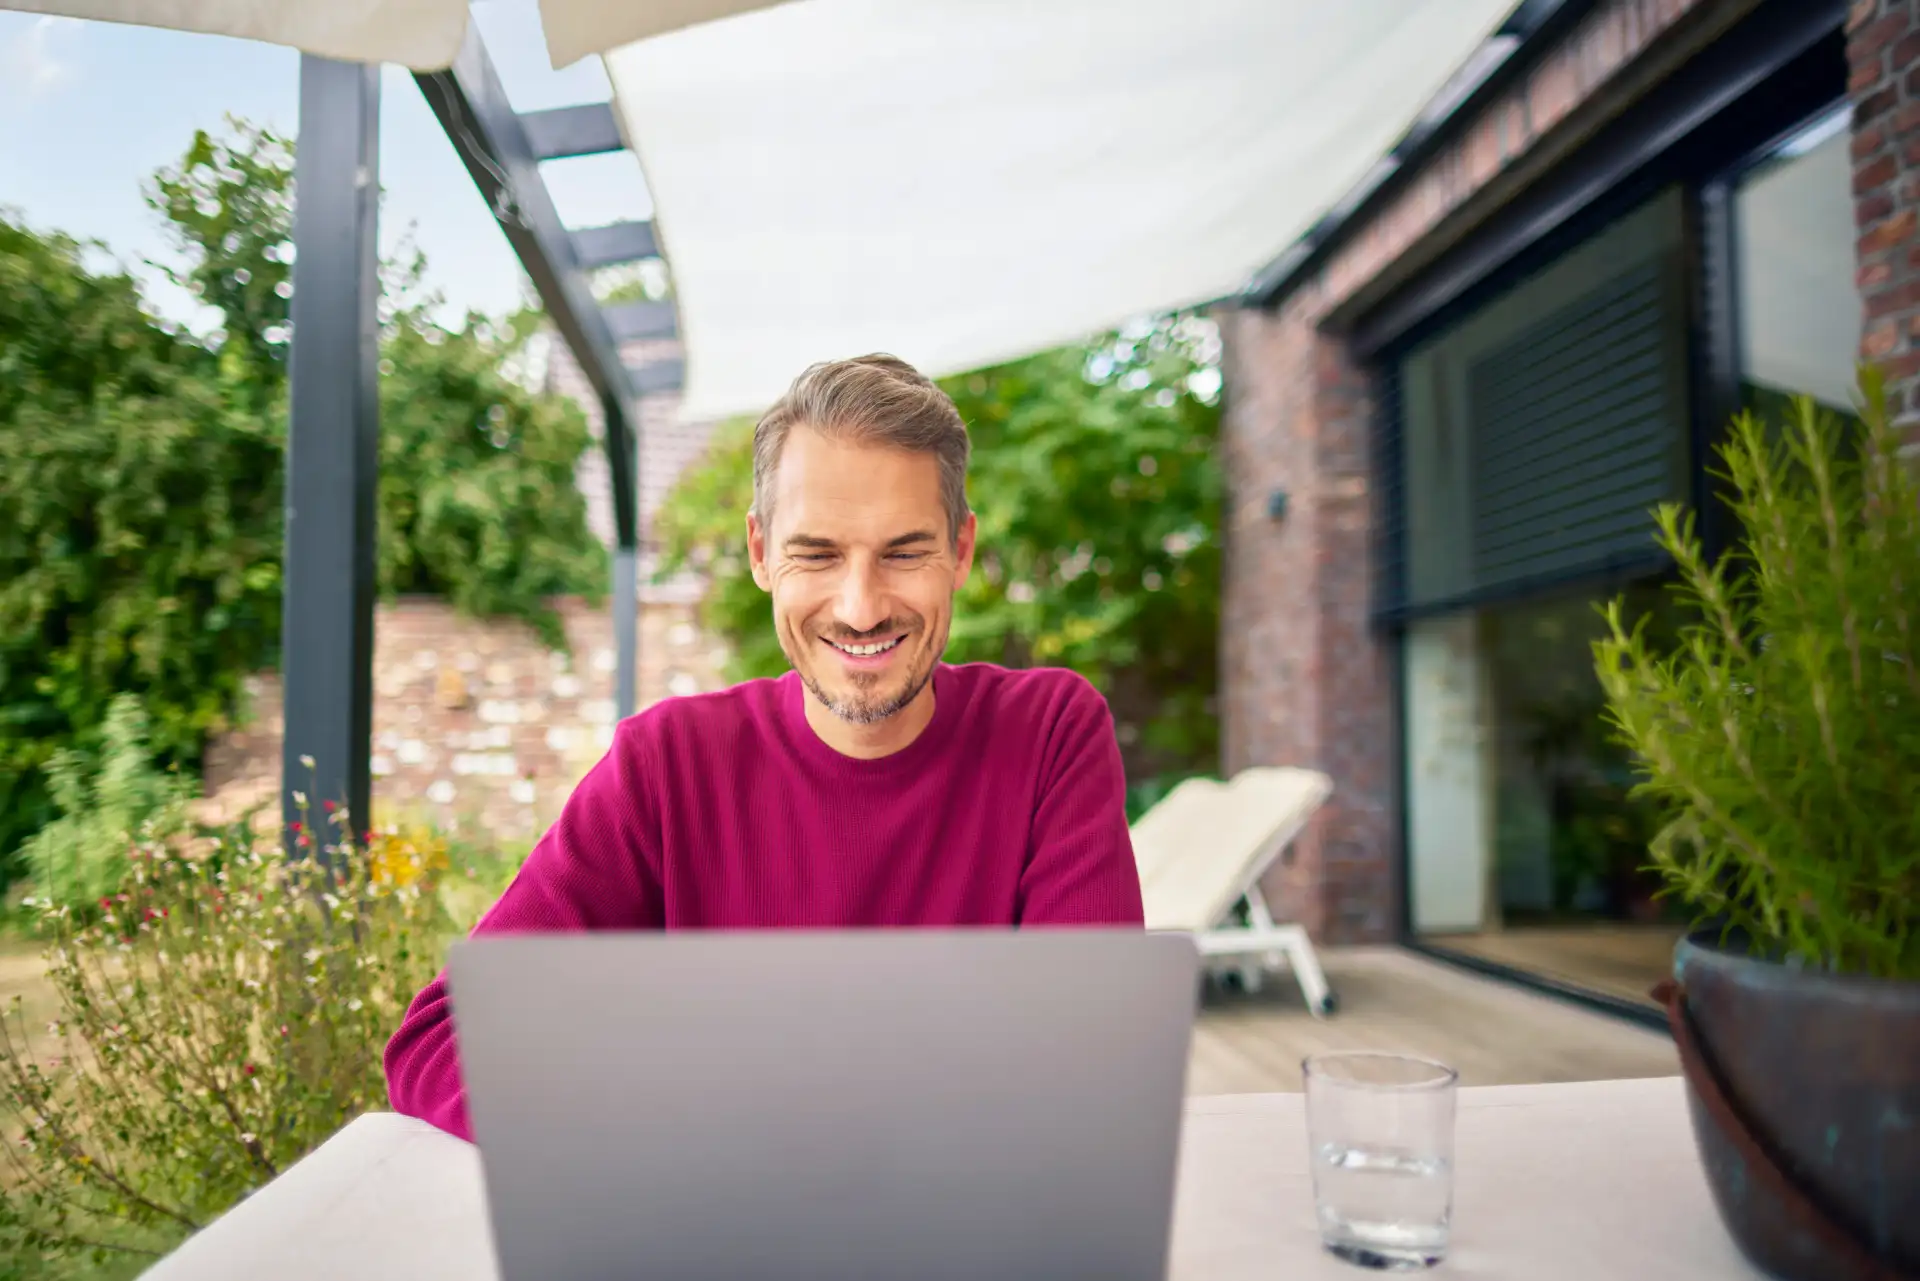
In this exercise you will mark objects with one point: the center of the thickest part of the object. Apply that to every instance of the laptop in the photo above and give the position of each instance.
(825, 1106)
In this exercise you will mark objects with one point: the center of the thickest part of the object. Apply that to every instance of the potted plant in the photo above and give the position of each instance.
(1779, 736)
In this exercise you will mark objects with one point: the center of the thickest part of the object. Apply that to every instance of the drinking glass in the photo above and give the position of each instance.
(1380, 1131)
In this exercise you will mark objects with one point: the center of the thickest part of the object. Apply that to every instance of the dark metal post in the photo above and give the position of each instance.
(326, 644)
(626, 578)
(626, 626)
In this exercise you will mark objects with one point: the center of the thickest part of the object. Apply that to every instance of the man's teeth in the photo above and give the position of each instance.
(868, 651)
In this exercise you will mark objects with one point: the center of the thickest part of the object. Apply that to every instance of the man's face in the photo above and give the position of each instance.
(862, 571)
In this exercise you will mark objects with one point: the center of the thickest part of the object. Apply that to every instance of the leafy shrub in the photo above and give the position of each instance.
(1781, 734)
(477, 501)
(1097, 488)
(478, 496)
(82, 855)
(224, 1013)
(141, 473)
(139, 524)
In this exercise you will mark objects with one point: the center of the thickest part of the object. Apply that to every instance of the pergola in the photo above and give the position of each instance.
(957, 181)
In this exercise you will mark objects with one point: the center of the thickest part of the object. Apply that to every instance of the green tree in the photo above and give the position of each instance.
(1097, 488)
(139, 510)
(141, 473)
(478, 500)
(477, 496)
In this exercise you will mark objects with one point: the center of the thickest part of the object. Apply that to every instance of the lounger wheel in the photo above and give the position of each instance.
(1328, 1004)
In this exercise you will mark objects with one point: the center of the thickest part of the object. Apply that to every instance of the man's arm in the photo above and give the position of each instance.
(593, 870)
(1080, 866)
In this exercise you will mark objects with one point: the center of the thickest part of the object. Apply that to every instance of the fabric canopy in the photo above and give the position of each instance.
(961, 182)
(576, 28)
(424, 35)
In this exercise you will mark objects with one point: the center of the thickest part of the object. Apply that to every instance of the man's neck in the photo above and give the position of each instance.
(871, 742)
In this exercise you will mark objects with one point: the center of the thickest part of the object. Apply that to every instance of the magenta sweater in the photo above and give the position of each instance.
(726, 811)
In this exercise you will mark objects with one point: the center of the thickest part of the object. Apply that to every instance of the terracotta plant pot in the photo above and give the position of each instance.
(1804, 1089)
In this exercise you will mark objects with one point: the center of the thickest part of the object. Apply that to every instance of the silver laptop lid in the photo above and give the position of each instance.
(886, 1104)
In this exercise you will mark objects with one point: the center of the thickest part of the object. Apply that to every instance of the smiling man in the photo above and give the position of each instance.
(873, 785)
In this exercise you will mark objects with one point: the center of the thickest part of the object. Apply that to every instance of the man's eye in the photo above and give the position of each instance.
(813, 558)
(907, 556)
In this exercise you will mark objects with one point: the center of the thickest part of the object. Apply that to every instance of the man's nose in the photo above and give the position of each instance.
(863, 604)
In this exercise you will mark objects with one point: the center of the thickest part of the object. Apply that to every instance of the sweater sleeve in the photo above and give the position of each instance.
(595, 869)
(1080, 867)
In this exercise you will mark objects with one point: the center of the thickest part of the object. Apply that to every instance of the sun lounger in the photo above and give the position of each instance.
(1202, 852)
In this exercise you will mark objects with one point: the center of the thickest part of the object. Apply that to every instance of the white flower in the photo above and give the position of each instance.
(355, 1004)
(300, 798)
(311, 955)
(247, 1138)
(306, 762)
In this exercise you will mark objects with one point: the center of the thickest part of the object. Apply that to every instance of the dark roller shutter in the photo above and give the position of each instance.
(1390, 561)
(1577, 424)
(1525, 444)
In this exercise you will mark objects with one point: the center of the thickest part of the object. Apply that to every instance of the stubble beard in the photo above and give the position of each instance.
(862, 707)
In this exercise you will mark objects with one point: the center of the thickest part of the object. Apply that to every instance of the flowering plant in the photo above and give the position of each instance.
(223, 1012)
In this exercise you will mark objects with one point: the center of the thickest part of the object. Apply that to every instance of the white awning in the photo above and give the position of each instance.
(956, 181)
(576, 28)
(421, 34)
(965, 181)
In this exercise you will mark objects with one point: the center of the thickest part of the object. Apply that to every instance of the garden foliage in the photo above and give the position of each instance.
(141, 473)
(220, 1014)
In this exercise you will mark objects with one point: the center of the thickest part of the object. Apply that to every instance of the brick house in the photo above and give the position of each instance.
(1449, 409)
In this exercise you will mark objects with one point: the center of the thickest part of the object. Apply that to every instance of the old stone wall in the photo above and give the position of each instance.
(480, 726)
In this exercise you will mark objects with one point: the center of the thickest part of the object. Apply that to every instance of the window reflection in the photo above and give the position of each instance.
(1799, 310)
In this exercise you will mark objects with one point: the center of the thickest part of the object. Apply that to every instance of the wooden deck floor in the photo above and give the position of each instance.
(1494, 1033)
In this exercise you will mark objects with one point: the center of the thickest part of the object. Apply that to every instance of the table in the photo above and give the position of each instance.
(1576, 1182)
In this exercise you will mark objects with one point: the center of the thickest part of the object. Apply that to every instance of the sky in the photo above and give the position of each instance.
(89, 110)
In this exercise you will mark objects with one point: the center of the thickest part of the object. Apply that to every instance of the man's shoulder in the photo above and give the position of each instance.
(715, 714)
(1038, 694)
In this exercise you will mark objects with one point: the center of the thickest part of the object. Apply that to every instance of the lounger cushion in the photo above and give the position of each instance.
(1201, 847)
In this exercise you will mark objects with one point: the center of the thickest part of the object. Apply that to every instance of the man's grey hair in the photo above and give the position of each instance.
(869, 400)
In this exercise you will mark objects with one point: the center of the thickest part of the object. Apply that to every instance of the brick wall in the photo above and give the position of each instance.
(479, 725)
(1304, 678)
(1883, 52)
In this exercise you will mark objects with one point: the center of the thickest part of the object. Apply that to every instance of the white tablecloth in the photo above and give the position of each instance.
(1554, 1183)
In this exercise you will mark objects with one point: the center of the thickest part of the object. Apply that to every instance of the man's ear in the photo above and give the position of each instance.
(757, 552)
(963, 549)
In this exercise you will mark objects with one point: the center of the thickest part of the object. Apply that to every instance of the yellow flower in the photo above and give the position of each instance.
(401, 859)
